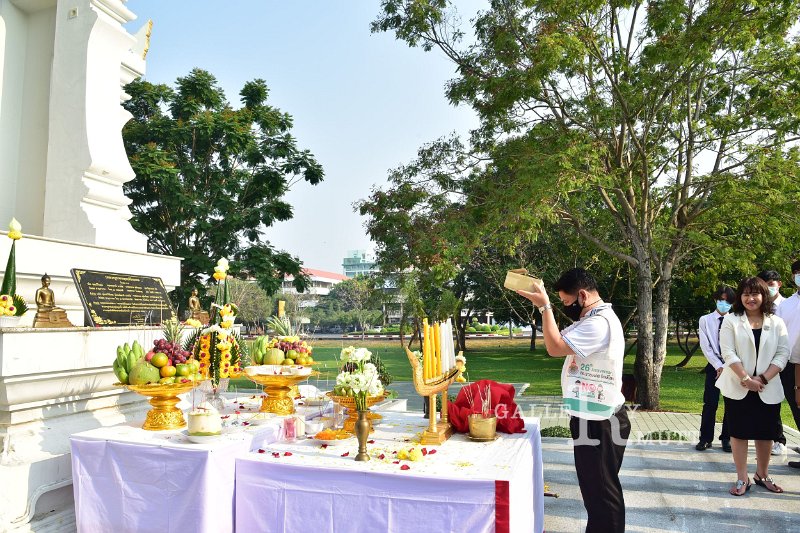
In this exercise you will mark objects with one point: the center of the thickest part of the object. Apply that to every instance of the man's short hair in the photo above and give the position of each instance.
(574, 280)
(796, 266)
(728, 292)
(769, 275)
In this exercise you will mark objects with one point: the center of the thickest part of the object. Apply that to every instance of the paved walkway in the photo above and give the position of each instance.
(668, 486)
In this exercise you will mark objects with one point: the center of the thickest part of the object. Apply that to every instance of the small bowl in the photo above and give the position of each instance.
(312, 428)
(482, 428)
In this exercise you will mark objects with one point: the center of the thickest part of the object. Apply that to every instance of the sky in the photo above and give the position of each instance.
(362, 103)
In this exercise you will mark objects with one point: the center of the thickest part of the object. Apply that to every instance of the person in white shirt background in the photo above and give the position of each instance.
(710, 325)
(774, 283)
(789, 311)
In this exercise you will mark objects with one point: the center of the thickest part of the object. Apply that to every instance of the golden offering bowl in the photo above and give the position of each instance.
(163, 398)
(277, 387)
(482, 428)
(349, 403)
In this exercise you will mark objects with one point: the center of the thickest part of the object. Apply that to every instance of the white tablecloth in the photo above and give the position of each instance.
(126, 479)
(463, 487)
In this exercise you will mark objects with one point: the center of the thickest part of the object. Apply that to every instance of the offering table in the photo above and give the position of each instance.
(127, 479)
(462, 486)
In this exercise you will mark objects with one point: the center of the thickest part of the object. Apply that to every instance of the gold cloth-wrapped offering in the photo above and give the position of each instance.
(519, 280)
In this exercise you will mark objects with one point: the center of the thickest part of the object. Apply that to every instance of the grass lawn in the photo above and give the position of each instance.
(510, 361)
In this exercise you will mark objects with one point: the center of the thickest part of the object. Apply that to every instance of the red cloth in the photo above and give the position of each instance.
(508, 415)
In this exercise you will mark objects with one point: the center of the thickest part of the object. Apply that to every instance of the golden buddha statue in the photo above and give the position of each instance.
(47, 314)
(195, 310)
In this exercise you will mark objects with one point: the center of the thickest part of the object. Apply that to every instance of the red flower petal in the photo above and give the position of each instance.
(260, 450)
(431, 452)
(395, 462)
(405, 467)
(381, 456)
(370, 442)
(424, 452)
(345, 454)
(287, 454)
(275, 454)
(324, 446)
(245, 423)
(237, 412)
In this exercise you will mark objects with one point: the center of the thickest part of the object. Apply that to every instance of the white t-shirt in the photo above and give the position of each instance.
(591, 379)
(789, 311)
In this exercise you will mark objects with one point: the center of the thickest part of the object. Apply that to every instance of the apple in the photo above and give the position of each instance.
(194, 365)
(167, 371)
(159, 359)
(167, 381)
(183, 369)
(149, 355)
(287, 361)
(291, 354)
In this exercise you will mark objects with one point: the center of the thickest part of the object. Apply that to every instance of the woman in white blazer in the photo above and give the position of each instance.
(755, 346)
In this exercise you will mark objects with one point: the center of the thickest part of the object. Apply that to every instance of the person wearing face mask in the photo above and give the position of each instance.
(594, 347)
(755, 346)
(773, 281)
(789, 311)
(710, 325)
(774, 284)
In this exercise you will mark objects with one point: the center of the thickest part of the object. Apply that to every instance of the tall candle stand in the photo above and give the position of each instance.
(437, 432)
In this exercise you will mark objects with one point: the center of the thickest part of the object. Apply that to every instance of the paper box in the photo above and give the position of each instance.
(519, 280)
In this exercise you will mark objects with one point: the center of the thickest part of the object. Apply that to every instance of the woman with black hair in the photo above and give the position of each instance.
(755, 346)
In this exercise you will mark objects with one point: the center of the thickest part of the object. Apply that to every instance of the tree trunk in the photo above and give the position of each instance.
(647, 390)
(533, 336)
(661, 334)
(403, 319)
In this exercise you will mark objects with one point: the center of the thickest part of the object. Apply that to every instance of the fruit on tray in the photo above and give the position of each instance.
(259, 349)
(143, 373)
(274, 356)
(127, 357)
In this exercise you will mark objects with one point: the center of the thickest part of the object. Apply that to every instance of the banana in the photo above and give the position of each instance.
(120, 355)
(137, 349)
(131, 360)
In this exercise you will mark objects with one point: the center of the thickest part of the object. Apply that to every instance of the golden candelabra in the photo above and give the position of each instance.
(437, 432)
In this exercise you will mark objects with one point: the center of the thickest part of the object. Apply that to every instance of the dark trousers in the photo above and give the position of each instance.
(599, 446)
(710, 404)
(787, 380)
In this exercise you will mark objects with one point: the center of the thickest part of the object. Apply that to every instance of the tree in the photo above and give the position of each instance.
(210, 178)
(641, 125)
(253, 301)
(359, 297)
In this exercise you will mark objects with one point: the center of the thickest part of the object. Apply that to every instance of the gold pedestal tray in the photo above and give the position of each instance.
(163, 398)
(277, 387)
(349, 402)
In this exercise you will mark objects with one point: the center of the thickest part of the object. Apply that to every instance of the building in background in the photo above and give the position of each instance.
(321, 284)
(359, 262)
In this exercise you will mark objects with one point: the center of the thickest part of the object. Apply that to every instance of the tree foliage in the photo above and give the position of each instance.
(655, 130)
(210, 178)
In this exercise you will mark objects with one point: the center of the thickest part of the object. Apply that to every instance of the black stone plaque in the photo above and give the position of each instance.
(112, 299)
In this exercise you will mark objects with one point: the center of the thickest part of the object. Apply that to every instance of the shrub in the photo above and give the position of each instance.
(486, 328)
(663, 435)
(495, 327)
(471, 330)
(556, 431)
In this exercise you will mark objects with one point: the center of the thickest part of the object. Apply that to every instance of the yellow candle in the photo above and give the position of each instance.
(425, 356)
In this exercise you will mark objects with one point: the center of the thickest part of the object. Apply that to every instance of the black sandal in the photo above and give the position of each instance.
(739, 484)
(762, 481)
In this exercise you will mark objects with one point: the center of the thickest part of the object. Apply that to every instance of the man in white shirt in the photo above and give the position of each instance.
(789, 311)
(709, 344)
(591, 382)
(774, 284)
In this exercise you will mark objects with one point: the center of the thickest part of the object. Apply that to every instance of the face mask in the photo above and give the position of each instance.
(797, 280)
(773, 291)
(723, 306)
(573, 311)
